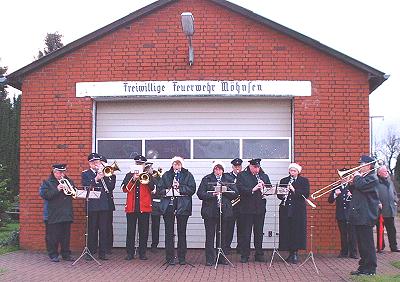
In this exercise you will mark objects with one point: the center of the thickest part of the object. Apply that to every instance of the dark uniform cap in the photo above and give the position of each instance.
(103, 159)
(255, 162)
(140, 159)
(93, 157)
(237, 161)
(366, 159)
(59, 167)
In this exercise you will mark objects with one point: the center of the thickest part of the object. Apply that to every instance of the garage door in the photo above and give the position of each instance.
(200, 131)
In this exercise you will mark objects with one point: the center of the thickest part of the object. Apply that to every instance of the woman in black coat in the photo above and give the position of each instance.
(210, 210)
(293, 214)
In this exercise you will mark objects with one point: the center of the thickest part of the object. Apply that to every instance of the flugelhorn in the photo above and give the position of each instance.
(68, 189)
(109, 170)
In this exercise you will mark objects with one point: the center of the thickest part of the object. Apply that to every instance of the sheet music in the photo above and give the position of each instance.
(81, 194)
(171, 192)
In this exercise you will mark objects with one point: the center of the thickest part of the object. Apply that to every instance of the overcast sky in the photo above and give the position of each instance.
(363, 29)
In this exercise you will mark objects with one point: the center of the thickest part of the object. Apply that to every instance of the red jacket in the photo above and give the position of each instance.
(145, 196)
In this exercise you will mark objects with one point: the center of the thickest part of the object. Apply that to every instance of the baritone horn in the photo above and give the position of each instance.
(68, 189)
(109, 170)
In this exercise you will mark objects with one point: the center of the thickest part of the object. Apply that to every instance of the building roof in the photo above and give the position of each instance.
(15, 79)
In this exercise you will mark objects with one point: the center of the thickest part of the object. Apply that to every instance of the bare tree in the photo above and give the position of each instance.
(389, 148)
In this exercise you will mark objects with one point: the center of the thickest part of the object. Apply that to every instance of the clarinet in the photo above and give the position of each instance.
(286, 196)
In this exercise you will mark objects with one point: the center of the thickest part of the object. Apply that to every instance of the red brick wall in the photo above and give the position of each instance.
(330, 127)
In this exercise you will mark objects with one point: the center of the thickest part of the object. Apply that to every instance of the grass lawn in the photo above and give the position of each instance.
(380, 278)
(5, 233)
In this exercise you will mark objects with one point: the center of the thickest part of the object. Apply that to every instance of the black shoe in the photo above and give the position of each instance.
(289, 258)
(244, 260)
(103, 257)
(143, 257)
(395, 250)
(259, 258)
(223, 261)
(295, 258)
(209, 263)
(55, 259)
(341, 255)
(88, 258)
(129, 257)
(358, 272)
(69, 258)
(171, 262)
(182, 262)
(353, 256)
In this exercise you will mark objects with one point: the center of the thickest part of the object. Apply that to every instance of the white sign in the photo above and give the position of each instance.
(193, 88)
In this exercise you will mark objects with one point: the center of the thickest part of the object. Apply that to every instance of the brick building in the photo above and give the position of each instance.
(256, 89)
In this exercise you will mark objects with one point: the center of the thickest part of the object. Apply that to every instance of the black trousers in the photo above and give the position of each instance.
(46, 235)
(348, 240)
(58, 234)
(253, 222)
(143, 226)
(169, 220)
(110, 231)
(212, 235)
(98, 225)
(388, 223)
(366, 248)
(155, 230)
(231, 228)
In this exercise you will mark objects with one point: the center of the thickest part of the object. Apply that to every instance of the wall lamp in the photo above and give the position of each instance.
(188, 30)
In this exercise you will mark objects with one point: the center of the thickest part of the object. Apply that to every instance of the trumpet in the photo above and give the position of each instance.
(109, 170)
(68, 189)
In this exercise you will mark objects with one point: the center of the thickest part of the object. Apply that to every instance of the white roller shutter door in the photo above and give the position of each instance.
(195, 119)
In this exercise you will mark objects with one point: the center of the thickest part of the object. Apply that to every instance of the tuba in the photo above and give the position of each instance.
(68, 189)
(109, 170)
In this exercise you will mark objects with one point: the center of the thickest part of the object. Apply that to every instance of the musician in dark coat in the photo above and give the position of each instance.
(364, 213)
(293, 214)
(236, 169)
(176, 181)
(110, 182)
(59, 214)
(155, 205)
(250, 184)
(341, 196)
(210, 210)
(99, 209)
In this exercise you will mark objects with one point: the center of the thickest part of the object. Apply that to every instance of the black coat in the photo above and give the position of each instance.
(251, 203)
(59, 205)
(293, 235)
(364, 204)
(187, 188)
(342, 202)
(209, 206)
(156, 199)
(104, 203)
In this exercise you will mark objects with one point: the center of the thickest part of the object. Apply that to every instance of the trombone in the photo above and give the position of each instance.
(345, 178)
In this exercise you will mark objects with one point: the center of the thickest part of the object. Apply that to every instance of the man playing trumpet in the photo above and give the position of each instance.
(59, 213)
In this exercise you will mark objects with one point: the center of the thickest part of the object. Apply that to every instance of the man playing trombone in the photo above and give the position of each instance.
(364, 213)
(59, 213)
(342, 197)
(293, 213)
(99, 209)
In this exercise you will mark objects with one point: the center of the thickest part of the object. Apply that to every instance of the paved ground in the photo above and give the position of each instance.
(35, 266)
